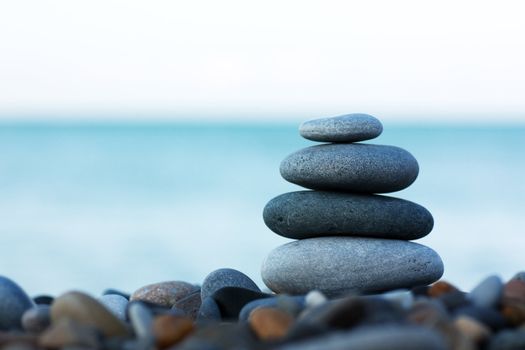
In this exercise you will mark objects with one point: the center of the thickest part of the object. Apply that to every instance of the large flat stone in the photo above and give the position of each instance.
(353, 167)
(342, 265)
(307, 214)
(343, 128)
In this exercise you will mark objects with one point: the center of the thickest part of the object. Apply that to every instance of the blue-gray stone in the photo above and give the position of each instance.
(344, 128)
(307, 214)
(398, 337)
(141, 319)
(37, 318)
(115, 303)
(353, 167)
(507, 340)
(488, 292)
(291, 304)
(343, 265)
(225, 278)
(209, 311)
(520, 276)
(13, 303)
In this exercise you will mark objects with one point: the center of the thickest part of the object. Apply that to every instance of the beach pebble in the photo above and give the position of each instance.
(86, 311)
(36, 319)
(374, 338)
(341, 265)
(514, 290)
(115, 303)
(440, 288)
(454, 300)
(344, 128)
(507, 340)
(315, 298)
(169, 330)
(351, 167)
(141, 319)
(164, 293)
(112, 291)
(220, 336)
(68, 333)
(472, 328)
(270, 323)
(402, 297)
(226, 278)
(488, 292)
(519, 276)
(190, 304)
(486, 315)
(290, 304)
(13, 303)
(209, 311)
(43, 300)
(306, 214)
(232, 299)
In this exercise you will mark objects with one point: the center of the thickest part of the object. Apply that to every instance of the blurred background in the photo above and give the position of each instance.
(140, 141)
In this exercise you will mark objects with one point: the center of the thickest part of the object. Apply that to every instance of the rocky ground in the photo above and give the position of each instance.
(228, 311)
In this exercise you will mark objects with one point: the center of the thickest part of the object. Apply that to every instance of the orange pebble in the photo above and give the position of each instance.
(270, 323)
(169, 329)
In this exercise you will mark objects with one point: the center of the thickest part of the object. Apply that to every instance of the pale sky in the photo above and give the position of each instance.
(263, 59)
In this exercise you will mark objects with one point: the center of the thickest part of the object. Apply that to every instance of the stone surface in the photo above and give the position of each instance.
(519, 276)
(340, 265)
(440, 288)
(13, 303)
(67, 332)
(115, 303)
(209, 311)
(473, 329)
(164, 293)
(270, 323)
(43, 300)
(508, 340)
(190, 304)
(86, 311)
(37, 319)
(232, 299)
(226, 278)
(351, 167)
(343, 128)
(375, 338)
(307, 214)
(486, 315)
(169, 330)
(488, 292)
(291, 304)
(141, 319)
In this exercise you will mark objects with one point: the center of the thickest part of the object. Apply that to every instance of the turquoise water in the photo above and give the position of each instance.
(91, 206)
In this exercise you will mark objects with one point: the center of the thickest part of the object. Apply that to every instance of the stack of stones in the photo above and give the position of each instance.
(349, 238)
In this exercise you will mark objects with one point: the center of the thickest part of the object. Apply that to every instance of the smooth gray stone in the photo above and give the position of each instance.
(342, 265)
(225, 278)
(307, 214)
(487, 293)
(37, 319)
(344, 128)
(375, 338)
(353, 167)
(13, 303)
(115, 303)
(209, 311)
(141, 319)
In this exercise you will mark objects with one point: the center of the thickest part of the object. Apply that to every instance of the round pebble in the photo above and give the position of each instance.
(168, 330)
(270, 323)
(342, 265)
(226, 278)
(351, 167)
(344, 128)
(13, 303)
(488, 292)
(307, 214)
(115, 303)
(37, 319)
(164, 293)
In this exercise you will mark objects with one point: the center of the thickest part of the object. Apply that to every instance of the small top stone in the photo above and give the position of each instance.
(345, 128)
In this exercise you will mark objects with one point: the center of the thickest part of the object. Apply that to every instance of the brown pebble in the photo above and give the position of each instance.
(67, 332)
(169, 329)
(472, 328)
(86, 311)
(164, 293)
(9, 338)
(439, 288)
(514, 290)
(514, 313)
(270, 323)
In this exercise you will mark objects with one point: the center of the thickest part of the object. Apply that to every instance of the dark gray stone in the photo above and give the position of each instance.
(343, 128)
(520, 276)
(353, 167)
(488, 292)
(37, 319)
(190, 305)
(508, 340)
(307, 214)
(226, 278)
(343, 265)
(375, 338)
(13, 303)
(115, 303)
(141, 319)
(209, 311)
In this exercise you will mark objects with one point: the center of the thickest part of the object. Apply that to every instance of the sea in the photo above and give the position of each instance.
(96, 205)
